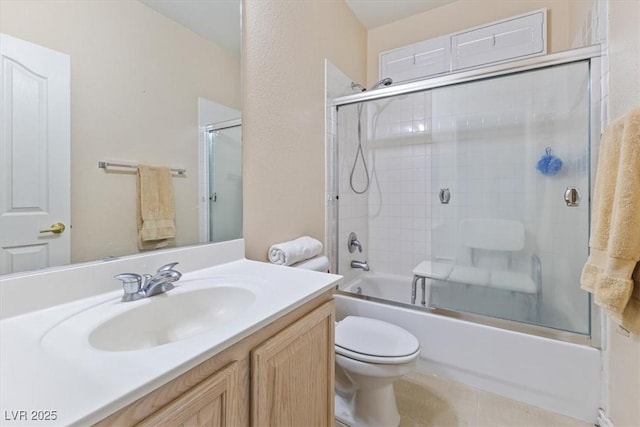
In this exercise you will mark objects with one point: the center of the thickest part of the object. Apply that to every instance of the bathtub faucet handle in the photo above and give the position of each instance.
(353, 243)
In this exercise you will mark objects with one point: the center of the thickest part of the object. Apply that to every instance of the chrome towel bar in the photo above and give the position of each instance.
(105, 165)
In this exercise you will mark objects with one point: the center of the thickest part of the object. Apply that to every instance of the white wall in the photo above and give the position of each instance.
(211, 112)
(284, 47)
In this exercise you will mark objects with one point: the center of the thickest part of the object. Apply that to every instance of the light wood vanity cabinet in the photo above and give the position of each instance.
(213, 402)
(280, 376)
(292, 374)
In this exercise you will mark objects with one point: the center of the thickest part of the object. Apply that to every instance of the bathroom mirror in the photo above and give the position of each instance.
(150, 82)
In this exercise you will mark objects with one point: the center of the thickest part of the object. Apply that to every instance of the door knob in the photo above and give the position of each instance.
(56, 228)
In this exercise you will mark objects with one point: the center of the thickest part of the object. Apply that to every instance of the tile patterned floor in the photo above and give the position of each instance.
(429, 401)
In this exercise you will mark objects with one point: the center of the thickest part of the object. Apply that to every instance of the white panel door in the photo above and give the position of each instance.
(34, 155)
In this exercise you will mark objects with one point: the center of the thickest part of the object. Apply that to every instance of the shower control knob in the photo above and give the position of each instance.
(353, 243)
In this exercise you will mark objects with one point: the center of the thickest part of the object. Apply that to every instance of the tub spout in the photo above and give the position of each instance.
(360, 264)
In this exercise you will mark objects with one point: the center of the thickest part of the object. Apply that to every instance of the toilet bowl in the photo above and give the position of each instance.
(372, 355)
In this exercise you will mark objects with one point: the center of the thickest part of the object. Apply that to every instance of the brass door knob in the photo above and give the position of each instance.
(56, 228)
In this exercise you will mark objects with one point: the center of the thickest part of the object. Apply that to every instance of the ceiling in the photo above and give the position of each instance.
(216, 20)
(373, 13)
(219, 20)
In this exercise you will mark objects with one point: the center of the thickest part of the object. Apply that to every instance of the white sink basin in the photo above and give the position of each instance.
(167, 318)
(194, 307)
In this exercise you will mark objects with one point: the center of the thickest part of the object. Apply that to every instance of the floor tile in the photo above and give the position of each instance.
(429, 401)
(435, 402)
(497, 411)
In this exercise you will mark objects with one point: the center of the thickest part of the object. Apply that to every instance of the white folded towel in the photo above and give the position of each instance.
(287, 253)
(317, 263)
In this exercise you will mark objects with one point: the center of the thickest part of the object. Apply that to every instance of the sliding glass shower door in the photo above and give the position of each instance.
(509, 168)
(482, 188)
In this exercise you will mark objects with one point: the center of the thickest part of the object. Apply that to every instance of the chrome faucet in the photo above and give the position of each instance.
(138, 286)
(360, 264)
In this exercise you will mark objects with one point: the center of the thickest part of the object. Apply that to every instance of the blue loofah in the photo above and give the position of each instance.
(549, 164)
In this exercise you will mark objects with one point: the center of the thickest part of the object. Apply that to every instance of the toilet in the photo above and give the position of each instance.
(372, 354)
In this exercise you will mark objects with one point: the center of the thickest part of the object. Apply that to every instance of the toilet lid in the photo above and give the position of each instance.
(371, 337)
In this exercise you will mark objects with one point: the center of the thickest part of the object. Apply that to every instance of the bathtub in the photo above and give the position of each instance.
(382, 286)
(547, 373)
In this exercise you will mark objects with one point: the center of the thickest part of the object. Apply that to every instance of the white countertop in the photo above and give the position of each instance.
(48, 363)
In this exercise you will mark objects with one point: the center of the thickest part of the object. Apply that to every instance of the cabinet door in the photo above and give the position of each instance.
(292, 374)
(213, 402)
(419, 60)
(512, 38)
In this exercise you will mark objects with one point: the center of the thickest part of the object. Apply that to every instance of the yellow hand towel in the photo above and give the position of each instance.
(611, 272)
(155, 207)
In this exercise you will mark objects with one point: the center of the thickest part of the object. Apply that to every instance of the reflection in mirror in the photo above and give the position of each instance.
(221, 186)
(115, 81)
(225, 198)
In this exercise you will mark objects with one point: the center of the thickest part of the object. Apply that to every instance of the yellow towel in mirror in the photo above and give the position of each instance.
(611, 272)
(155, 207)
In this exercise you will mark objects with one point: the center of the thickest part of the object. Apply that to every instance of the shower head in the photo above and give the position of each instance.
(384, 82)
(357, 86)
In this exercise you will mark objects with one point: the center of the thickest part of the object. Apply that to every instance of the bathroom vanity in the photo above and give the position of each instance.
(281, 375)
(239, 343)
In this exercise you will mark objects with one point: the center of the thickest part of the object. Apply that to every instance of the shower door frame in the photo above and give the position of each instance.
(592, 55)
(205, 174)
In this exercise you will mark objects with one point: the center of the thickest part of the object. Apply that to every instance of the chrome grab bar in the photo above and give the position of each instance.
(414, 287)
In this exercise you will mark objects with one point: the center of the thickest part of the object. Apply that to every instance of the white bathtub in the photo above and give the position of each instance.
(551, 374)
(383, 286)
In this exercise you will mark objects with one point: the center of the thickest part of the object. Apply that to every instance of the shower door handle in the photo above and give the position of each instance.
(213, 197)
(444, 196)
(572, 197)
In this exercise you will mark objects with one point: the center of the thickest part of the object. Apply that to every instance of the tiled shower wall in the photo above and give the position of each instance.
(350, 212)
(482, 141)
(353, 207)
(401, 195)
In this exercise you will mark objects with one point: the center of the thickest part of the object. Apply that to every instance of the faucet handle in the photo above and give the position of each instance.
(167, 267)
(169, 275)
(353, 243)
(131, 282)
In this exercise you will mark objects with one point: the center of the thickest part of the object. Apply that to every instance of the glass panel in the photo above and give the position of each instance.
(225, 174)
(354, 182)
(506, 150)
(502, 242)
(390, 218)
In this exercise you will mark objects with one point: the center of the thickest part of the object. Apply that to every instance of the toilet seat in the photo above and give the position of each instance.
(379, 360)
(374, 341)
